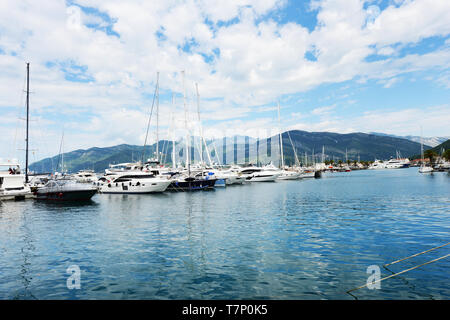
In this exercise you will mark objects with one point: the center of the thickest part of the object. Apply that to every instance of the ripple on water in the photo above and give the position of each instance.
(310, 239)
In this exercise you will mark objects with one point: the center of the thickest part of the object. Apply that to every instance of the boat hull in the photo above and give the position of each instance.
(289, 176)
(78, 195)
(192, 185)
(425, 170)
(142, 188)
(264, 178)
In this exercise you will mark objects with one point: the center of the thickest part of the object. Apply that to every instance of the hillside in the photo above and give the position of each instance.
(438, 149)
(429, 141)
(362, 145)
(445, 145)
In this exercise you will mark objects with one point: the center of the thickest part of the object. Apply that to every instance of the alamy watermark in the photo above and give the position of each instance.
(74, 280)
(373, 281)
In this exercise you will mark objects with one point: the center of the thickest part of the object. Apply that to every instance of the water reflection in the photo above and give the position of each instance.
(27, 252)
(310, 239)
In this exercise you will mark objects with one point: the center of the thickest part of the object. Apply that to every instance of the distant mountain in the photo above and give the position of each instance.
(445, 146)
(429, 141)
(362, 145)
(438, 149)
(97, 159)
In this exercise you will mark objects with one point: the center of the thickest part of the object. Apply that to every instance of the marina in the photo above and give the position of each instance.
(225, 159)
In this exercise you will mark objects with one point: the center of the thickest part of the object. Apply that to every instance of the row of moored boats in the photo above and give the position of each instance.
(138, 178)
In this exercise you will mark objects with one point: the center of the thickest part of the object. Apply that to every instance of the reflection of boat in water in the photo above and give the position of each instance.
(65, 190)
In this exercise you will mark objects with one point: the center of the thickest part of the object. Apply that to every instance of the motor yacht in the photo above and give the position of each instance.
(289, 175)
(260, 174)
(132, 182)
(377, 164)
(65, 190)
(12, 181)
(397, 164)
(88, 176)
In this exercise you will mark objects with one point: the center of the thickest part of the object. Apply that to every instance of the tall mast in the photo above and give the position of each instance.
(293, 148)
(188, 164)
(281, 138)
(203, 141)
(173, 138)
(199, 123)
(323, 154)
(421, 148)
(28, 116)
(157, 116)
(62, 153)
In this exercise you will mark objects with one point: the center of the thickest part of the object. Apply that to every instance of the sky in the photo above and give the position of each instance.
(332, 65)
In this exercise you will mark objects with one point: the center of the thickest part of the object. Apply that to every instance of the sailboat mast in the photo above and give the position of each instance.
(173, 137)
(28, 116)
(62, 153)
(281, 138)
(199, 123)
(421, 148)
(188, 165)
(203, 141)
(323, 154)
(157, 116)
(293, 148)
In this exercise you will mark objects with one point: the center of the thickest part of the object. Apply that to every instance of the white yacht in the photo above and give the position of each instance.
(397, 163)
(124, 167)
(12, 182)
(132, 182)
(87, 176)
(377, 164)
(289, 175)
(230, 177)
(260, 174)
(423, 168)
(307, 173)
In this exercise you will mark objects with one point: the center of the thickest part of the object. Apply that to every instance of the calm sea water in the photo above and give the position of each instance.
(308, 239)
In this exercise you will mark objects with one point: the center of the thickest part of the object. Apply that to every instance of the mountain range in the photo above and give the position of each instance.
(336, 146)
(429, 141)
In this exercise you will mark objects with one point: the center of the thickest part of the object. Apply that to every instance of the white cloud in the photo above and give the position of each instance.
(322, 111)
(248, 64)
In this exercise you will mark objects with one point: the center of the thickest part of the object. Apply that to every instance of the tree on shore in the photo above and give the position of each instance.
(446, 155)
(430, 154)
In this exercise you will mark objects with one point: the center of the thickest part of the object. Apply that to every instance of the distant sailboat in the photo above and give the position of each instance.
(423, 168)
(284, 174)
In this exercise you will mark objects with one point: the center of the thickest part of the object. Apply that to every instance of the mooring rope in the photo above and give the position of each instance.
(417, 254)
(398, 273)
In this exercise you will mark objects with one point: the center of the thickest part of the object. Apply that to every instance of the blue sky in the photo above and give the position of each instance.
(334, 65)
